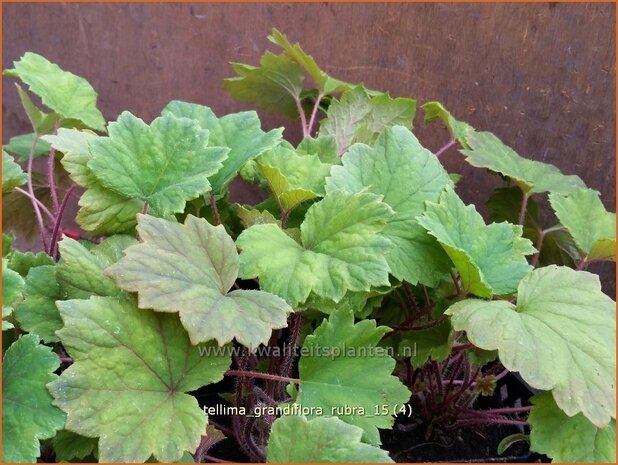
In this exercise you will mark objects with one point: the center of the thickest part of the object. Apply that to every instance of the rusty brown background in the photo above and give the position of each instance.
(541, 76)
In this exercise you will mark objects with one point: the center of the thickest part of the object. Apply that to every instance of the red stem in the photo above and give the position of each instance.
(35, 206)
(53, 252)
(303, 117)
(524, 205)
(255, 374)
(314, 112)
(501, 411)
(450, 144)
(50, 173)
(214, 210)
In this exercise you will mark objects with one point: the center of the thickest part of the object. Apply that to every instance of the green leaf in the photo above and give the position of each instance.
(7, 244)
(458, 129)
(41, 122)
(38, 313)
(190, 269)
(65, 93)
(491, 259)
(80, 272)
(22, 144)
(23, 262)
(325, 147)
(12, 174)
(434, 343)
(27, 411)
(105, 212)
(240, 132)
(357, 117)
(275, 85)
(342, 250)
(560, 336)
(324, 440)
(569, 439)
(406, 174)
(70, 446)
(75, 145)
(164, 164)
(590, 224)
(135, 402)
(250, 216)
(12, 284)
(333, 373)
(487, 151)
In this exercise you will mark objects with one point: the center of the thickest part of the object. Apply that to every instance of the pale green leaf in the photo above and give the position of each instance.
(80, 271)
(190, 269)
(560, 336)
(342, 250)
(324, 440)
(333, 373)
(164, 164)
(458, 129)
(12, 284)
(407, 175)
(27, 411)
(105, 212)
(135, 402)
(487, 151)
(250, 216)
(287, 196)
(12, 174)
(358, 117)
(63, 92)
(275, 85)
(568, 439)
(325, 147)
(491, 259)
(75, 145)
(240, 132)
(37, 313)
(22, 144)
(590, 224)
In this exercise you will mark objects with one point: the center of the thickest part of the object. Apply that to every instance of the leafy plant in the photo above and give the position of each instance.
(362, 294)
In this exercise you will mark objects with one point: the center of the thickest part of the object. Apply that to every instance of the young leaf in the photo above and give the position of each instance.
(324, 440)
(491, 259)
(190, 269)
(325, 147)
(560, 336)
(250, 216)
(21, 145)
(37, 313)
(12, 174)
(164, 164)
(240, 132)
(135, 402)
(590, 224)
(569, 439)
(339, 377)
(325, 83)
(458, 129)
(27, 411)
(342, 250)
(407, 175)
(487, 151)
(68, 95)
(80, 271)
(275, 85)
(357, 117)
(75, 145)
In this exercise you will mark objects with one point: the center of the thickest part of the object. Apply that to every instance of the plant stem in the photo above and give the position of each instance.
(411, 298)
(450, 144)
(524, 206)
(538, 246)
(284, 218)
(303, 117)
(214, 210)
(213, 459)
(314, 112)
(502, 374)
(582, 264)
(465, 346)
(255, 374)
(456, 282)
(485, 421)
(502, 411)
(42, 206)
(430, 324)
(35, 206)
(53, 252)
(50, 173)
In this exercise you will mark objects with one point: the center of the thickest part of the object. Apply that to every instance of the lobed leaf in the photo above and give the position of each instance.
(324, 440)
(190, 268)
(407, 175)
(342, 249)
(130, 377)
(458, 129)
(12, 174)
(69, 95)
(27, 411)
(560, 336)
